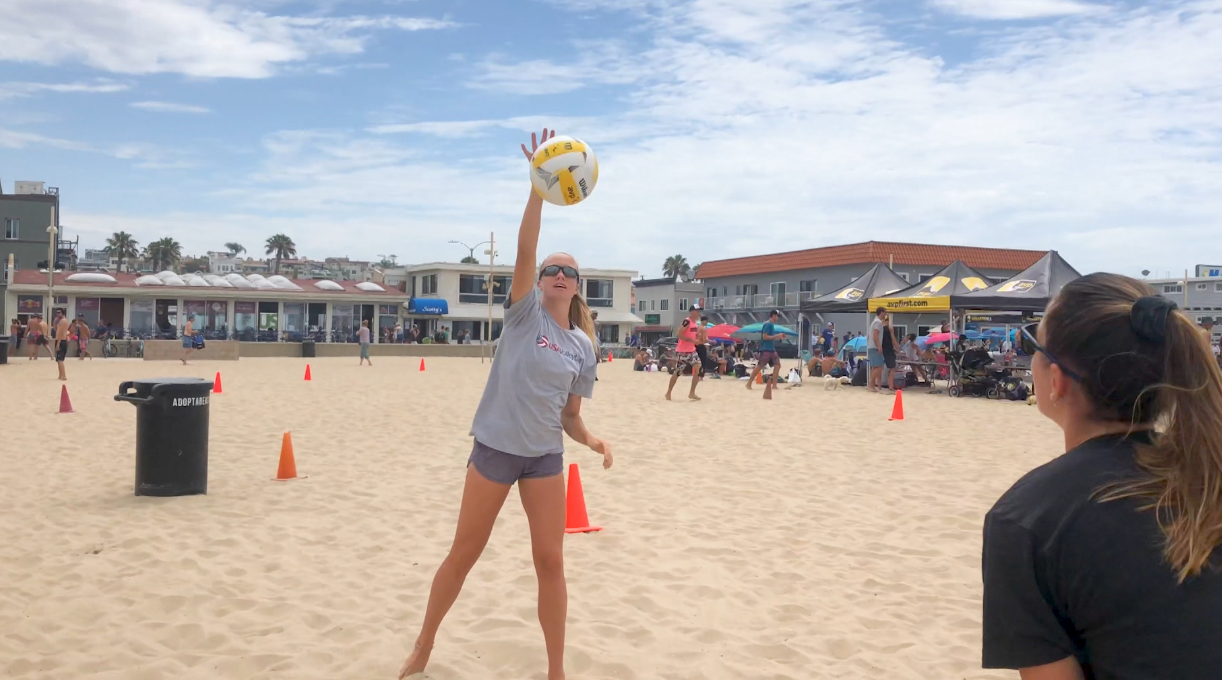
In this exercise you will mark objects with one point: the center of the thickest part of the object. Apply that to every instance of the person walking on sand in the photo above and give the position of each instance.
(62, 330)
(80, 329)
(38, 337)
(545, 366)
(688, 358)
(188, 339)
(363, 335)
(1106, 563)
(768, 355)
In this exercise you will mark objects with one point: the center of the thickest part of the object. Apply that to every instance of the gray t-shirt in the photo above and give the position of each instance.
(538, 365)
(871, 343)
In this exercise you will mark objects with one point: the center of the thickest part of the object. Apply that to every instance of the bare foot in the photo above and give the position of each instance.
(668, 396)
(416, 662)
(693, 397)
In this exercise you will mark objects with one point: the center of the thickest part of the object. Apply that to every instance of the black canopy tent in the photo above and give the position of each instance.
(877, 282)
(1027, 291)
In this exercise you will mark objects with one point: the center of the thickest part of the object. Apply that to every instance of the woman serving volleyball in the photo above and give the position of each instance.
(545, 364)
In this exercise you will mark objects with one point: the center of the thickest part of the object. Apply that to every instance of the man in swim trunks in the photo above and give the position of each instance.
(688, 359)
(81, 330)
(62, 330)
(38, 336)
(767, 355)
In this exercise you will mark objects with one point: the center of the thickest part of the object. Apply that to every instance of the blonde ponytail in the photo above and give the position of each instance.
(579, 316)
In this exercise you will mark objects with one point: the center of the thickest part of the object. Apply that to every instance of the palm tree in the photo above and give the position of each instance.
(676, 265)
(195, 264)
(163, 253)
(234, 248)
(280, 246)
(122, 246)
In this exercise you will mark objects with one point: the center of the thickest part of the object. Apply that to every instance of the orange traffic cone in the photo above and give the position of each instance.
(288, 466)
(216, 384)
(759, 378)
(609, 357)
(575, 519)
(65, 404)
(307, 376)
(897, 411)
(422, 365)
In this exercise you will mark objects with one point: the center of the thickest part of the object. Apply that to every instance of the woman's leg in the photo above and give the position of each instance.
(481, 502)
(543, 501)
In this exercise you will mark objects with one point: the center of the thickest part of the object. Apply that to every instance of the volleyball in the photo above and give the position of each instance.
(564, 171)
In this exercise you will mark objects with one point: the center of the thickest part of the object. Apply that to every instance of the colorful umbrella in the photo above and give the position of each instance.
(723, 331)
(756, 330)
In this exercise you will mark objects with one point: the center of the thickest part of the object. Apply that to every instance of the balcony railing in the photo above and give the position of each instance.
(761, 301)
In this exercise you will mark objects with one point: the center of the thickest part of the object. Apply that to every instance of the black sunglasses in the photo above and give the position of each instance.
(1030, 346)
(554, 269)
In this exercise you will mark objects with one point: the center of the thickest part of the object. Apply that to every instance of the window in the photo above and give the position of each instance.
(922, 331)
(711, 292)
(808, 286)
(12, 228)
(471, 288)
(599, 292)
(1173, 288)
(1218, 287)
(428, 284)
(683, 304)
(665, 304)
(900, 332)
(903, 275)
(1202, 286)
(608, 334)
(922, 278)
(723, 291)
(653, 305)
(8, 273)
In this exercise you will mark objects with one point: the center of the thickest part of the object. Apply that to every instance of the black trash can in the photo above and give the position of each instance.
(307, 348)
(3, 349)
(171, 434)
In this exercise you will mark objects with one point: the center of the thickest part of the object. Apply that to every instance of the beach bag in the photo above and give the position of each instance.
(795, 376)
(198, 341)
(859, 376)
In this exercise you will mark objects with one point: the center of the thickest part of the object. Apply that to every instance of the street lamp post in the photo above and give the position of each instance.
(51, 233)
(491, 253)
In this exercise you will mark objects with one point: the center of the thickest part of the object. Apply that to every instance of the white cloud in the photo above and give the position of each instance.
(169, 107)
(1017, 9)
(193, 37)
(469, 128)
(141, 155)
(17, 89)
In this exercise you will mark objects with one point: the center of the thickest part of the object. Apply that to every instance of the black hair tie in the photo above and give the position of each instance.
(1149, 318)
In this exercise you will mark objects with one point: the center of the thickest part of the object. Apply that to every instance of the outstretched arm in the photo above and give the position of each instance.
(528, 233)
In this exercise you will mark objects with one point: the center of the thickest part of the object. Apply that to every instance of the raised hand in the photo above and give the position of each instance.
(534, 143)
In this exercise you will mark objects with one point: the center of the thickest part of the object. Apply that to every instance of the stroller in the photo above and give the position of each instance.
(972, 374)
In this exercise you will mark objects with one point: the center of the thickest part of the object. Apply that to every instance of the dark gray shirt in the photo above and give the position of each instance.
(538, 365)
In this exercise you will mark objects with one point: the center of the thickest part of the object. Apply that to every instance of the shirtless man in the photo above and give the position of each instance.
(188, 339)
(37, 336)
(62, 329)
(81, 330)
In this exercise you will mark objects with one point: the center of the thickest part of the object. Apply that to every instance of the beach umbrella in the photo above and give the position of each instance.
(857, 344)
(751, 331)
(722, 331)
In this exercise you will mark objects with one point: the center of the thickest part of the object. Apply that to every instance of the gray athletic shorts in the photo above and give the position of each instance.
(506, 468)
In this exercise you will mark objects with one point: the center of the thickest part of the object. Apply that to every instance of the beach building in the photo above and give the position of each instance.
(1199, 296)
(248, 308)
(455, 297)
(24, 240)
(663, 303)
(742, 290)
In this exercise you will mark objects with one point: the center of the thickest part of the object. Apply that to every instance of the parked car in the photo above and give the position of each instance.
(787, 349)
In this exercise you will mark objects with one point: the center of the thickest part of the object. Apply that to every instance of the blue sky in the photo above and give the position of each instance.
(723, 127)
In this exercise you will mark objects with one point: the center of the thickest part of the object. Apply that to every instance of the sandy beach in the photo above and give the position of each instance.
(806, 537)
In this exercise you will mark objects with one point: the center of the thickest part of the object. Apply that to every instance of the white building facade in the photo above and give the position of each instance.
(455, 298)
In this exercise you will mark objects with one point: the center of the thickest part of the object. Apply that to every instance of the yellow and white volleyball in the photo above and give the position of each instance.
(564, 171)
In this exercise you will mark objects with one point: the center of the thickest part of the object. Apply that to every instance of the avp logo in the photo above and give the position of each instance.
(1020, 286)
(850, 294)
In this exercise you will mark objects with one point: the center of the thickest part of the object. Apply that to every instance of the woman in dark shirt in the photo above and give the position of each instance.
(1104, 563)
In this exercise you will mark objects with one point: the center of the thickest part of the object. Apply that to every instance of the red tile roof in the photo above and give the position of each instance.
(33, 277)
(869, 253)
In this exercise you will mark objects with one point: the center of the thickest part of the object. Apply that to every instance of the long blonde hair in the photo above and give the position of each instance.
(1147, 364)
(579, 316)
